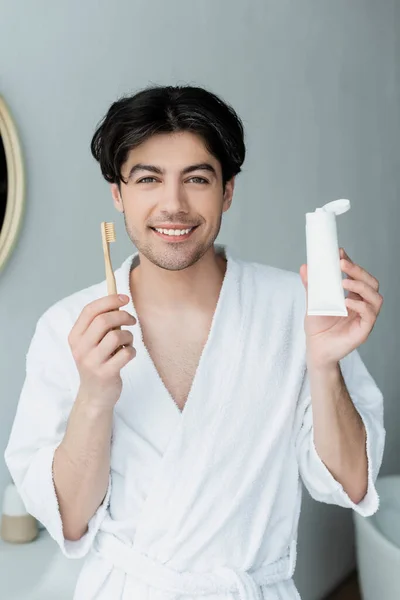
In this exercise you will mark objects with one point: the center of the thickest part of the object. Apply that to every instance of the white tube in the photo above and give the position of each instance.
(325, 289)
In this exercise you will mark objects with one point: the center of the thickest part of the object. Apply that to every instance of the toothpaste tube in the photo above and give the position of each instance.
(325, 290)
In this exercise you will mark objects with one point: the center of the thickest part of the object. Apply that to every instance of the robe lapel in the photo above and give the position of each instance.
(182, 468)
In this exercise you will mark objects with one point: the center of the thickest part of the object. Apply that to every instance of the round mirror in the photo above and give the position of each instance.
(12, 184)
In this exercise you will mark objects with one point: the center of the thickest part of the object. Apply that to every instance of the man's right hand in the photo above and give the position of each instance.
(93, 341)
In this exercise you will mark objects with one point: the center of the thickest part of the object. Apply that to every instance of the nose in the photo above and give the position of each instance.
(173, 198)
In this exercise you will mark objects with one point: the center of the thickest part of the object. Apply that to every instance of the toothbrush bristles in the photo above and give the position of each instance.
(110, 232)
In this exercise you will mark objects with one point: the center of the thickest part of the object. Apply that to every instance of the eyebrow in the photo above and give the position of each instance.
(200, 167)
(159, 171)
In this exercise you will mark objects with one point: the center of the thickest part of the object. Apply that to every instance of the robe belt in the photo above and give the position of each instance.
(222, 580)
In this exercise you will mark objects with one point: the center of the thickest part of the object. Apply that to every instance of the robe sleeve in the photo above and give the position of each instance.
(368, 401)
(38, 429)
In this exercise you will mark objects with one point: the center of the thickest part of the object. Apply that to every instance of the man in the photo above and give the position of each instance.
(174, 463)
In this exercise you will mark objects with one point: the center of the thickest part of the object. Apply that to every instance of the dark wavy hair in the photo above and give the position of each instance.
(132, 120)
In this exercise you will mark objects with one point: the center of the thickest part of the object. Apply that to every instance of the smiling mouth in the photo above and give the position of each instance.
(174, 234)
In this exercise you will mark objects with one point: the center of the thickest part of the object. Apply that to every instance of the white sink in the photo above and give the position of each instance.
(378, 544)
(37, 571)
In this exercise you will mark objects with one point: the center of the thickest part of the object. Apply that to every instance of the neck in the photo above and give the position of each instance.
(161, 290)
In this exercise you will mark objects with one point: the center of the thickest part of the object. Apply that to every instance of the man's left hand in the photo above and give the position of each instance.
(329, 339)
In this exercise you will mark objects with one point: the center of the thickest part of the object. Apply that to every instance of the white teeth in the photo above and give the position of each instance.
(173, 231)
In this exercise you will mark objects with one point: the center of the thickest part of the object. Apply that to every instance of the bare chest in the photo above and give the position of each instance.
(175, 350)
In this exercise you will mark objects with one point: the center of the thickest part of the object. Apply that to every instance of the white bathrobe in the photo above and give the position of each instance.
(203, 502)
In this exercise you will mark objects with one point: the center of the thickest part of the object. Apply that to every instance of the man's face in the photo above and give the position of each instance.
(173, 183)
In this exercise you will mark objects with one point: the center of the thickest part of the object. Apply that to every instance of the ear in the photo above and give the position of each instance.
(228, 194)
(117, 198)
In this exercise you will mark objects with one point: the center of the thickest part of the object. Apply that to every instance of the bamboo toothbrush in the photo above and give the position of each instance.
(108, 236)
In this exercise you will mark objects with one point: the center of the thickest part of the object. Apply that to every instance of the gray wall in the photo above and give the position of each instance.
(317, 85)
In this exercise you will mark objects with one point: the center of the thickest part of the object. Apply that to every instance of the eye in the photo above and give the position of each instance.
(198, 180)
(147, 180)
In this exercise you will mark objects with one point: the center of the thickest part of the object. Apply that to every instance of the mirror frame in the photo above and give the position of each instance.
(15, 184)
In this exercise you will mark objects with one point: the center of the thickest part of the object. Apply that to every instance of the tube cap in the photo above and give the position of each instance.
(338, 207)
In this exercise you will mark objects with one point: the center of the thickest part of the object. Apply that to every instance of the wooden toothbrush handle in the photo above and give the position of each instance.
(110, 277)
(111, 285)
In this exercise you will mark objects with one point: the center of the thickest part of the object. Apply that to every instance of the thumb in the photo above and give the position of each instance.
(304, 279)
(303, 275)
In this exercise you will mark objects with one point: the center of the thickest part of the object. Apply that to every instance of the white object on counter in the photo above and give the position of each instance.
(17, 525)
(13, 505)
(325, 289)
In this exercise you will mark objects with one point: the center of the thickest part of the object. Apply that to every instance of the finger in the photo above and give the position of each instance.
(343, 254)
(104, 323)
(356, 272)
(120, 359)
(365, 292)
(304, 275)
(365, 311)
(95, 308)
(111, 341)
(99, 327)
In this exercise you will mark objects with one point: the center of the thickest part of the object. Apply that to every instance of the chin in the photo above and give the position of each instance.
(178, 260)
(174, 257)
